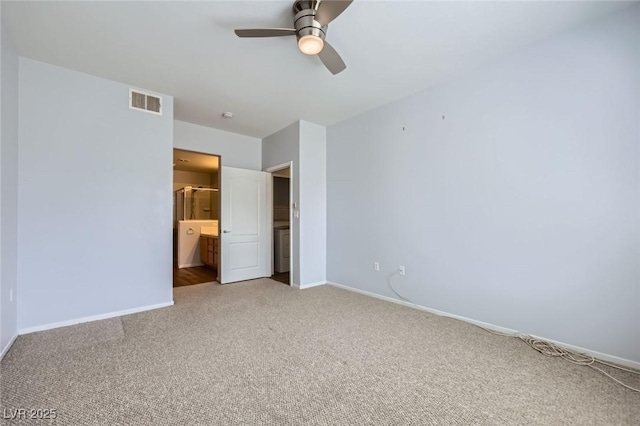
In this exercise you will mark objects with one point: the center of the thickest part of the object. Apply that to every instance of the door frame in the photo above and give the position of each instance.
(292, 207)
(173, 148)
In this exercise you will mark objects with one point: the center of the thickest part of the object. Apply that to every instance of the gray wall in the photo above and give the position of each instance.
(280, 191)
(235, 150)
(313, 203)
(9, 196)
(281, 147)
(95, 202)
(304, 143)
(520, 207)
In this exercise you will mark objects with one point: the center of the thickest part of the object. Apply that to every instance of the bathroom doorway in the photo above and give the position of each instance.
(282, 202)
(196, 215)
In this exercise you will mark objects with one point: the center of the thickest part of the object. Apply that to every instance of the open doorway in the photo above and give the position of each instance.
(282, 248)
(196, 215)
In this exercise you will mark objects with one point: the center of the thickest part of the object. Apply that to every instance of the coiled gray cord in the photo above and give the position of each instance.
(544, 347)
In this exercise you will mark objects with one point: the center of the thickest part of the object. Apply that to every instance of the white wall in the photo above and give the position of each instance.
(235, 150)
(9, 195)
(95, 203)
(519, 208)
(313, 203)
(279, 148)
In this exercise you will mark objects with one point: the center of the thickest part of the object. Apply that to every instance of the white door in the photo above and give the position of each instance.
(246, 234)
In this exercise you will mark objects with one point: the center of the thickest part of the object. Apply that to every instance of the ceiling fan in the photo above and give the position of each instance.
(311, 19)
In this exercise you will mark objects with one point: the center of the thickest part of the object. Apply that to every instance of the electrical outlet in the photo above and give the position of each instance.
(376, 266)
(10, 295)
(401, 269)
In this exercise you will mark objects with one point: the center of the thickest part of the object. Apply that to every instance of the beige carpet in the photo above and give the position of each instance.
(259, 352)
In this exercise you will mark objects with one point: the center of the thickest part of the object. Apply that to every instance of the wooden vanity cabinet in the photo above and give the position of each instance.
(209, 250)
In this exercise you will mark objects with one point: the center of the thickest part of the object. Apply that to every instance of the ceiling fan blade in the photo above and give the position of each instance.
(331, 59)
(265, 32)
(328, 10)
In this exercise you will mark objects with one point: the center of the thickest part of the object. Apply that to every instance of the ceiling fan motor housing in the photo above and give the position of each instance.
(304, 19)
(310, 21)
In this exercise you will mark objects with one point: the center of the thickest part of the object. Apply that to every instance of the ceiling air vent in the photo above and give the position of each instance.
(145, 102)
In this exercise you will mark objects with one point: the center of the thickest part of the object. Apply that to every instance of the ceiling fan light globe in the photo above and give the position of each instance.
(310, 44)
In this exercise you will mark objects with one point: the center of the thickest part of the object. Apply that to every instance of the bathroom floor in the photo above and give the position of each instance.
(195, 275)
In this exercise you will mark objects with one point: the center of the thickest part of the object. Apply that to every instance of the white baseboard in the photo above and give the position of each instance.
(92, 318)
(599, 355)
(190, 265)
(8, 346)
(309, 285)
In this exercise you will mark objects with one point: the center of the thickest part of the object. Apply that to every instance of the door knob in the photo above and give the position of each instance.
(226, 231)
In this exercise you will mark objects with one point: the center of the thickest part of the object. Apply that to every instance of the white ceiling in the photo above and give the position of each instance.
(189, 50)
